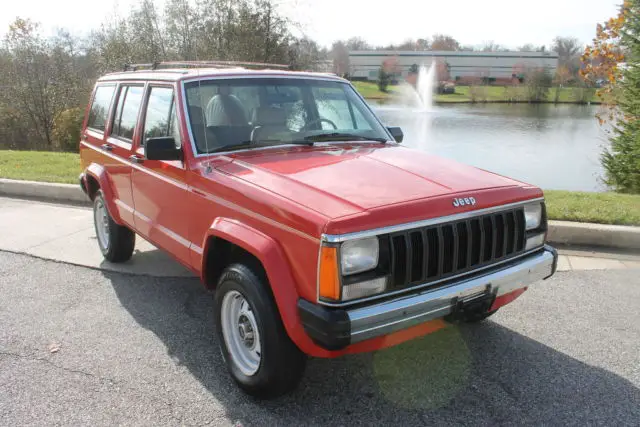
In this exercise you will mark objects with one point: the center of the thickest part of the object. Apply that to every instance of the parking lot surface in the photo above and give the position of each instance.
(80, 346)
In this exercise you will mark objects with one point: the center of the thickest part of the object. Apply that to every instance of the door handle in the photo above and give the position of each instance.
(136, 159)
(107, 147)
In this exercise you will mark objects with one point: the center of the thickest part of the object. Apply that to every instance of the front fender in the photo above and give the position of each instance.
(98, 173)
(270, 254)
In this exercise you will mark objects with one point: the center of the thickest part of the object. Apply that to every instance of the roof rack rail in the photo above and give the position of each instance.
(201, 64)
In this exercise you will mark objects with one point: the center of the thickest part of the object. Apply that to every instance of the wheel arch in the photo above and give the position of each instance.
(228, 241)
(96, 178)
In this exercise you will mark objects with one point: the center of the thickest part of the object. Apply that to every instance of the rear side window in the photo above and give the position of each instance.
(161, 115)
(100, 107)
(124, 122)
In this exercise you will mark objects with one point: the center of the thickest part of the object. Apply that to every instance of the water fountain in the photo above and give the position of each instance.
(424, 85)
(413, 107)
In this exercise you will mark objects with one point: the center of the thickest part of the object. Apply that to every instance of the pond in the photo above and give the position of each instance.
(550, 146)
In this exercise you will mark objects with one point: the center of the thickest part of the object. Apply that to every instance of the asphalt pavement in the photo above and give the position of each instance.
(80, 346)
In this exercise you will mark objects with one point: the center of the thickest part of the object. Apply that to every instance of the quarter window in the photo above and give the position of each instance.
(124, 122)
(100, 107)
(160, 118)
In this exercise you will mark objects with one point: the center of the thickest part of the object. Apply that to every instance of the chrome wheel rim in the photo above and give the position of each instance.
(101, 218)
(241, 333)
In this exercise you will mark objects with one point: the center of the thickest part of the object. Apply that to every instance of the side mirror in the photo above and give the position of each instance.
(162, 148)
(396, 133)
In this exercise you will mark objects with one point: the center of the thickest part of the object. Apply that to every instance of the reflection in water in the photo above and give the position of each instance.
(551, 146)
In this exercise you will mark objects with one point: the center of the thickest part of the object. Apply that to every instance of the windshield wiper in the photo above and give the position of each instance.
(339, 136)
(260, 143)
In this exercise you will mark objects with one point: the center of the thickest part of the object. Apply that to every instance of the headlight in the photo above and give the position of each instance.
(533, 215)
(357, 256)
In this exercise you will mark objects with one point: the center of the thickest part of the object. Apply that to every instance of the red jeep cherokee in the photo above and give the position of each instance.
(320, 234)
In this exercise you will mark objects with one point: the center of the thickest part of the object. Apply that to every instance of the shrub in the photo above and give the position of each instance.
(66, 130)
(384, 79)
(537, 84)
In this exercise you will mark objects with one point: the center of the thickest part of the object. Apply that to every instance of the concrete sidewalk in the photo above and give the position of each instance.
(66, 234)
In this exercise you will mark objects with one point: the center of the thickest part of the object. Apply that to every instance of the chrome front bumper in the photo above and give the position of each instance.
(335, 328)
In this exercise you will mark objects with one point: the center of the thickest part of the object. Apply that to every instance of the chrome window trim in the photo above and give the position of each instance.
(424, 285)
(337, 238)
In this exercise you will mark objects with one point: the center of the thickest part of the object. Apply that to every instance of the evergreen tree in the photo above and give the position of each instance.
(622, 160)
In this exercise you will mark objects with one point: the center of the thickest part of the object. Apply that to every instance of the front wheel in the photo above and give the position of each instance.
(116, 242)
(259, 354)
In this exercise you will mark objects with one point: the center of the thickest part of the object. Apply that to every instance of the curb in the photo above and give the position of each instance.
(560, 232)
(597, 235)
(45, 191)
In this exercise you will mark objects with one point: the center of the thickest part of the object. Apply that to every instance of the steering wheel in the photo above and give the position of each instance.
(319, 120)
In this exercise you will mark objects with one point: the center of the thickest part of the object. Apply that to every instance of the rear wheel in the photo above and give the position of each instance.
(116, 242)
(258, 353)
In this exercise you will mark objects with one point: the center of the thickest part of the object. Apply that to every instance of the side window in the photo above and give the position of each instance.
(124, 122)
(100, 107)
(160, 118)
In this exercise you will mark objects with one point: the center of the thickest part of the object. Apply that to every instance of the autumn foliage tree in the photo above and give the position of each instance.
(600, 60)
(616, 41)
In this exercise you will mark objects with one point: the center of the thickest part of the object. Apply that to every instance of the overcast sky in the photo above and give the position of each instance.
(508, 22)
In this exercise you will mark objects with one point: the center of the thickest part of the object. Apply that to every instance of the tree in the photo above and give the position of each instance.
(384, 79)
(600, 61)
(36, 79)
(181, 26)
(357, 43)
(568, 50)
(527, 47)
(492, 46)
(303, 53)
(340, 55)
(561, 78)
(621, 34)
(444, 42)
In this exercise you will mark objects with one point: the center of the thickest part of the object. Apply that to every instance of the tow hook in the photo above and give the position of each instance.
(467, 306)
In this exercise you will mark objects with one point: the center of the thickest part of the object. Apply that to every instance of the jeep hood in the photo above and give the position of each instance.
(344, 179)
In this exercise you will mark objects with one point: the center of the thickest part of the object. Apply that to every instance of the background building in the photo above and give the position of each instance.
(451, 65)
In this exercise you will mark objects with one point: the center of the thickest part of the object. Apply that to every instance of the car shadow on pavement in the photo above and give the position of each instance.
(469, 374)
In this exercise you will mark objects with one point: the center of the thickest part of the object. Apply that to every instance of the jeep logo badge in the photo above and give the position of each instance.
(457, 202)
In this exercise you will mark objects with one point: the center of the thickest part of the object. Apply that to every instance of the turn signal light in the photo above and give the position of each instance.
(328, 277)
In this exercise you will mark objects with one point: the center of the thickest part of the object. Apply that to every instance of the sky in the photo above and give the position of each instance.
(471, 22)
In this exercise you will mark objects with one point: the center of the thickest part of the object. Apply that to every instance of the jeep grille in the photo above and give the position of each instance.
(429, 254)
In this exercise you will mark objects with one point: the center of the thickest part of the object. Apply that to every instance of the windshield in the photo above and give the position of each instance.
(228, 114)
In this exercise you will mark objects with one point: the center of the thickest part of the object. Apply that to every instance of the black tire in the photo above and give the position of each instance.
(478, 316)
(121, 240)
(281, 364)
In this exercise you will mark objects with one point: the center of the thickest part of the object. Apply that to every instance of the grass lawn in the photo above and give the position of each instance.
(370, 90)
(603, 208)
(40, 166)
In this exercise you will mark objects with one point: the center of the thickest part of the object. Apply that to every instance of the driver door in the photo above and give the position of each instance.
(159, 189)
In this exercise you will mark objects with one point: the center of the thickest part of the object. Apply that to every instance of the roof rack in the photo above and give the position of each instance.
(201, 64)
